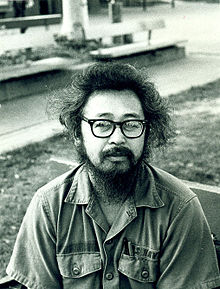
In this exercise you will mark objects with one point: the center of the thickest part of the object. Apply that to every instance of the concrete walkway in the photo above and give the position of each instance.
(23, 121)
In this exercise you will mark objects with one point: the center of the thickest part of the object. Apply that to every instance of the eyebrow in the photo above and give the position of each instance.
(132, 115)
(105, 114)
(127, 115)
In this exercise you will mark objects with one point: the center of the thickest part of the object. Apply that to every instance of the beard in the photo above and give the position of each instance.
(112, 181)
(112, 186)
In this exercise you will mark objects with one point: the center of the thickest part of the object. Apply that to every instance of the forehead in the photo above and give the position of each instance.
(115, 103)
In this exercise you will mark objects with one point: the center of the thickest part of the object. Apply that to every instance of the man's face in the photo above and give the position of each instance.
(115, 153)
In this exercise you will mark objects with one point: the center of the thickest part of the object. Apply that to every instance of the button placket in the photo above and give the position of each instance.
(109, 276)
(109, 271)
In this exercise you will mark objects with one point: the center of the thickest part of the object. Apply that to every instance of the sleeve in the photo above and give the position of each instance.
(33, 262)
(188, 257)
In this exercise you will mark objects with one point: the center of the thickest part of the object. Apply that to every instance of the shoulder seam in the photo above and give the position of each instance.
(47, 188)
(183, 201)
(173, 192)
(183, 205)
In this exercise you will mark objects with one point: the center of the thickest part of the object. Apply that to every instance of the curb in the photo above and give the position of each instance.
(37, 77)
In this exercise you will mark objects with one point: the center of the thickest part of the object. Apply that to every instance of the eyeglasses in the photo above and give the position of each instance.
(104, 128)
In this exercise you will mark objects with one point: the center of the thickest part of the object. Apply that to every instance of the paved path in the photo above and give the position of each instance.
(24, 120)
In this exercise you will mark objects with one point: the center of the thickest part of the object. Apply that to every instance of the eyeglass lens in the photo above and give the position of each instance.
(104, 128)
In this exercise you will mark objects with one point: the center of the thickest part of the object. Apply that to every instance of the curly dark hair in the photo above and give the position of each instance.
(118, 76)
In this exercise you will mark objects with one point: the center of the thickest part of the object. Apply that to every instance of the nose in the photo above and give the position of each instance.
(117, 137)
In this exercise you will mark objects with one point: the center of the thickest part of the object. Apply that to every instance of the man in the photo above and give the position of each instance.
(115, 221)
(19, 7)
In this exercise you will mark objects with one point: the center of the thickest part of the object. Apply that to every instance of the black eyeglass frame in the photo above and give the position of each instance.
(115, 123)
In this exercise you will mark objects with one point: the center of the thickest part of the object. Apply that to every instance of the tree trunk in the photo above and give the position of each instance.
(75, 15)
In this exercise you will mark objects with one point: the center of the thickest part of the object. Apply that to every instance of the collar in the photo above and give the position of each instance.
(80, 191)
(145, 192)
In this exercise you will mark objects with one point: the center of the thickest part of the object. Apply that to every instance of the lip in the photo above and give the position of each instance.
(116, 158)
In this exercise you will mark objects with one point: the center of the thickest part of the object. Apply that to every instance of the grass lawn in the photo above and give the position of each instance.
(195, 156)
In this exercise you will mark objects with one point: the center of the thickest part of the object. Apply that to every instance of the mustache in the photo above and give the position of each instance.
(117, 151)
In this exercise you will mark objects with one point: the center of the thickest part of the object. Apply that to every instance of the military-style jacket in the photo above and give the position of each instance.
(159, 239)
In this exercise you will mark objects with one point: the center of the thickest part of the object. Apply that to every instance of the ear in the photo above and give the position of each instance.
(77, 138)
(77, 141)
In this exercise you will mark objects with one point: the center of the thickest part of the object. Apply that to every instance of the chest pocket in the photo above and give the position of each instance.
(79, 265)
(138, 268)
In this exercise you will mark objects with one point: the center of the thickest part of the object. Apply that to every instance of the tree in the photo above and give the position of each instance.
(75, 18)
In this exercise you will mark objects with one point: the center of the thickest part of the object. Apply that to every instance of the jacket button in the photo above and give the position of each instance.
(76, 270)
(145, 274)
(109, 276)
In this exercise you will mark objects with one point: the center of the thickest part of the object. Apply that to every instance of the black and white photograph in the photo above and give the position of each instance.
(109, 144)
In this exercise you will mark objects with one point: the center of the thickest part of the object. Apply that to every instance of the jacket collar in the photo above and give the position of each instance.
(80, 191)
(145, 192)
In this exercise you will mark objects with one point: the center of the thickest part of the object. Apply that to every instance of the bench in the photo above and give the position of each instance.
(143, 29)
(209, 197)
(13, 40)
(30, 21)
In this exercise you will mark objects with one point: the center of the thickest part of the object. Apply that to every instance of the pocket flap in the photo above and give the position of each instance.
(78, 265)
(138, 268)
